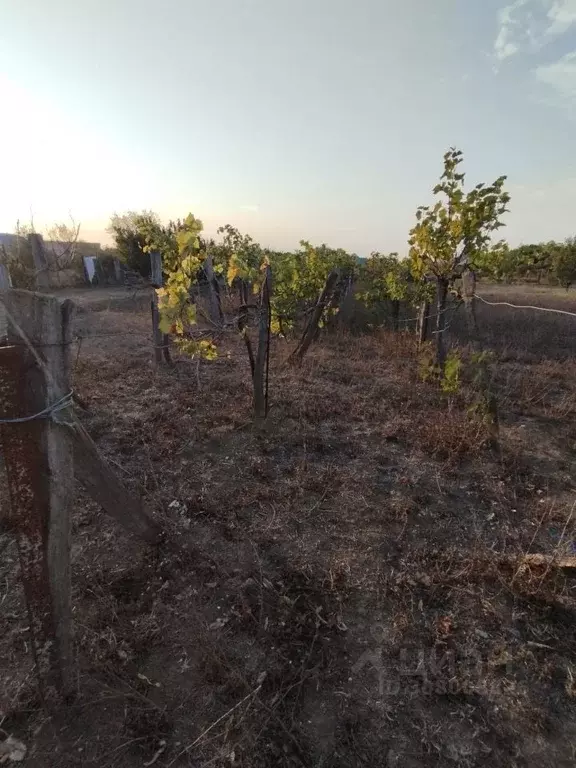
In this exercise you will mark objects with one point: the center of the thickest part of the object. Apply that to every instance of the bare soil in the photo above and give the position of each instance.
(340, 588)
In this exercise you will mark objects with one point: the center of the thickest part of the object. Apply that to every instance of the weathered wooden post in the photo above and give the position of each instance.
(5, 285)
(260, 377)
(42, 276)
(346, 304)
(490, 402)
(35, 400)
(242, 328)
(469, 296)
(5, 280)
(313, 325)
(422, 325)
(156, 269)
(441, 296)
(161, 340)
(104, 487)
(215, 308)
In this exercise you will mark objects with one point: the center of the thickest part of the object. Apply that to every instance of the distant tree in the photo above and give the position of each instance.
(534, 260)
(564, 267)
(498, 262)
(63, 244)
(131, 232)
(60, 248)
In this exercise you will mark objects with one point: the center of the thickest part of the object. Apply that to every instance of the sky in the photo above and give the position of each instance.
(323, 120)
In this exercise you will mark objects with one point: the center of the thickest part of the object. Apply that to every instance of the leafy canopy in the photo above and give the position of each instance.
(177, 311)
(459, 226)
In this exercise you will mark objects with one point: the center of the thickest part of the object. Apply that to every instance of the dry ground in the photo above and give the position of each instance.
(346, 593)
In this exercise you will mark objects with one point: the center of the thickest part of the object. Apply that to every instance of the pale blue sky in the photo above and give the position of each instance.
(316, 119)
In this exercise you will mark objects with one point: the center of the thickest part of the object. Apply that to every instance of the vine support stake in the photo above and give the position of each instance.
(441, 296)
(104, 487)
(160, 340)
(39, 463)
(5, 281)
(260, 378)
(422, 327)
(311, 330)
(468, 293)
(215, 307)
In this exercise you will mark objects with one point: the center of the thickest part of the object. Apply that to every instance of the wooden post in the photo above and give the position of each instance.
(5, 280)
(313, 325)
(156, 269)
(340, 299)
(160, 340)
(5, 285)
(244, 291)
(260, 378)
(242, 328)
(423, 317)
(441, 295)
(42, 276)
(105, 488)
(468, 293)
(215, 308)
(39, 464)
(488, 395)
(346, 304)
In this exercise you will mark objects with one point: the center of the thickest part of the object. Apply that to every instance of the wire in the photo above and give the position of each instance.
(524, 306)
(269, 323)
(47, 413)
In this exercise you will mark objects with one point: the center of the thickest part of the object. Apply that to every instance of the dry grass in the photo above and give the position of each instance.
(347, 591)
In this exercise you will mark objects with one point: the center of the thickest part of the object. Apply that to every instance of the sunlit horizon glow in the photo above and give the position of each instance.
(323, 121)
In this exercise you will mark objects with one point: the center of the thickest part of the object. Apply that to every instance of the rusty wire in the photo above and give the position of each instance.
(46, 413)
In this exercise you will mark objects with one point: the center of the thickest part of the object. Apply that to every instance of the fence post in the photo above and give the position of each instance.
(39, 465)
(346, 304)
(42, 277)
(242, 323)
(102, 485)
(313, 325)
(441, 295)
(260, 373)
(5, 285)
(468, 293)
(5, 281)
(215, 308)
(422, 325)
(160, 340)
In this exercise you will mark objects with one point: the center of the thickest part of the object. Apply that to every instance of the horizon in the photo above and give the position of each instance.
(290, 121)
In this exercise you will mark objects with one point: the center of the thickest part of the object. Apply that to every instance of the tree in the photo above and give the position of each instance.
(132, 232)
(534, 259)
(449, 236)
(498, 262)
(565, 263)
(300, 276)
(63, 244)
(60, 251)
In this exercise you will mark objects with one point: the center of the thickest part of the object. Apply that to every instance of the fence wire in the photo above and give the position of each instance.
(523, 306)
